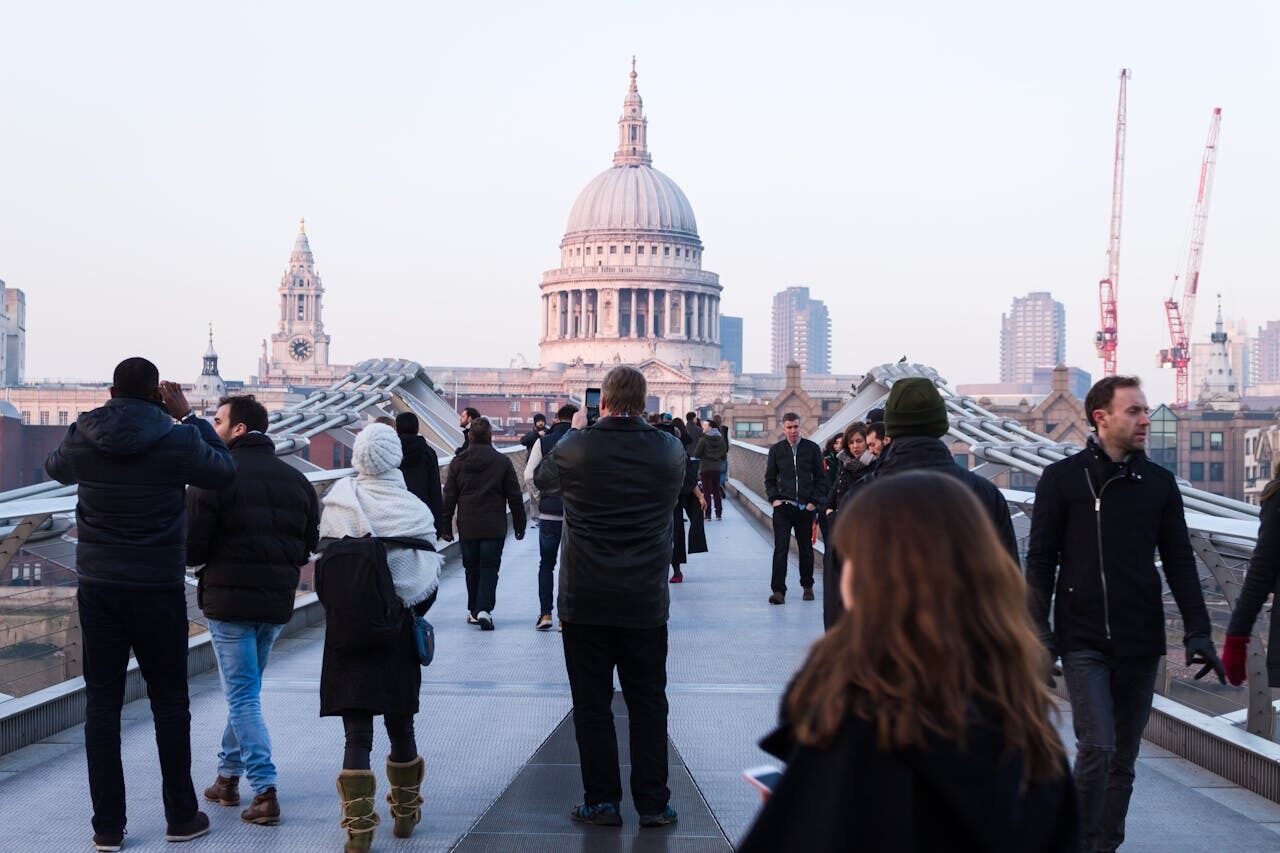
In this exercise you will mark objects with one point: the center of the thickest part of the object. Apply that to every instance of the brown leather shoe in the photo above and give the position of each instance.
(264, 811)
(808, 593)
(778, 598)
(225, 791)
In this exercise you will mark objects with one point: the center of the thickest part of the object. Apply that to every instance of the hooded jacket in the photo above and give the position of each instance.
(421, 469)
(132, 464)
(620, 479)
(710, 450)
(854, 796)
(252, 536)
(481, 485)
(1095, 529)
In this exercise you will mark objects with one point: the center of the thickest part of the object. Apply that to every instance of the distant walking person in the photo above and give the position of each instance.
(132, 463)
(550, 515)
(250, 538)
(711, 452)
(480, 486)
(529, 439)
(1098, 520)
(420, 467)
(795, 484)
(366, 672)
(619, 480)
(468, 416)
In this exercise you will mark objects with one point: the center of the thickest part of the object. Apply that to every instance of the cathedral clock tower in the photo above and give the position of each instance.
(299, 353)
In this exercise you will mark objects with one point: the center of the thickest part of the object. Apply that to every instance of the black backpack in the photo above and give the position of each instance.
(361, 608)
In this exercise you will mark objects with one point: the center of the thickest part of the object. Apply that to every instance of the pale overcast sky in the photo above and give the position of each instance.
(916, 166)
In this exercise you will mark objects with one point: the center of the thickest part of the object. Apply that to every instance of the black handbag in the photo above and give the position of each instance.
(424, 640)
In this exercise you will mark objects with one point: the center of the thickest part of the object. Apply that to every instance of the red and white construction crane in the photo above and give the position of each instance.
(1182, 317)
(1109, 332)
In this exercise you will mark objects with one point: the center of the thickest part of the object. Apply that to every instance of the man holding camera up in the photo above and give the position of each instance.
(619, 480)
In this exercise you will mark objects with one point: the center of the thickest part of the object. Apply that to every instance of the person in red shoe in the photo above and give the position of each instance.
(1262, 580)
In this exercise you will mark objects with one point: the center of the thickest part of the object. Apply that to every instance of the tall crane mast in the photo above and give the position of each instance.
(1108, 288)
(1181, 318)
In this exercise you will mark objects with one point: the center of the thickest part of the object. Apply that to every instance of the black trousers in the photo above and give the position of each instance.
(640, 654)
(154, 625)
(788, 519)
(481, 559)
(358, 727)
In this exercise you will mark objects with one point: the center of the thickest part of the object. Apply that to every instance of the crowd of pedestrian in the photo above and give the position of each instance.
(930, 692)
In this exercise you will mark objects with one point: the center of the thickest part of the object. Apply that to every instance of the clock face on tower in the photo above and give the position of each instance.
(300, 349)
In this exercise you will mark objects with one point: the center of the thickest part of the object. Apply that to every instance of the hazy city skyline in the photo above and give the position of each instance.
(916, 169)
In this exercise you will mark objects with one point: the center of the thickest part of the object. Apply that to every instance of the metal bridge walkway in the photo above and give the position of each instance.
(500, 774)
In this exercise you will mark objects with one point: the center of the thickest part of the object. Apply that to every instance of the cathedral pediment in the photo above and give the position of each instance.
(656, 370)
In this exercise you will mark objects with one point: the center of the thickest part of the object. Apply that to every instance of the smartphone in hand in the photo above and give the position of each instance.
(764, 779)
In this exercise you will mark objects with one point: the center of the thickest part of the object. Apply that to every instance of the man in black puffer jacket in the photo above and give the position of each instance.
(251, 538)
(132, 464)
(1098, 520)
(795, 484)
(421, 469)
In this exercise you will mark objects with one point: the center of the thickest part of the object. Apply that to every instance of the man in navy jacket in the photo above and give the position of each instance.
(132, 464)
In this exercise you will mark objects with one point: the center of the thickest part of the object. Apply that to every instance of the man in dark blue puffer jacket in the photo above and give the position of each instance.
(132, 464)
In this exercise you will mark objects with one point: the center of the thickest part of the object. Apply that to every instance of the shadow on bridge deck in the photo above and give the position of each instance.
(500, 755)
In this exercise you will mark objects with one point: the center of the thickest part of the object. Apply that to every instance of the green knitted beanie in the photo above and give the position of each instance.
(915, 408)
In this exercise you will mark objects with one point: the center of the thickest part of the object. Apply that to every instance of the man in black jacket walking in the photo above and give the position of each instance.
(132, 463)
(550, 515)
(421, 469)
(481, 485)
(250, 538)
(619, 480)
(794, 482)
(1099, 518)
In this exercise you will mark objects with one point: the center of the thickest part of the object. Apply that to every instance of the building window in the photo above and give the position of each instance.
(44, 419)
(626, 250)
(599, 250)
(515, 406)
(1215, 441)
(337, 455)
(613, 250)
(639, 250)
(748, 429)
(1216, 472)
(962, 459)
(1197, 441)
(1197, 472)
(63, 418)
(1162, 443)
(666, 251)
(653, 250)
(26, 418)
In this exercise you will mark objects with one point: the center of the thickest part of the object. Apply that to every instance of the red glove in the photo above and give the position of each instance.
(1234, 653)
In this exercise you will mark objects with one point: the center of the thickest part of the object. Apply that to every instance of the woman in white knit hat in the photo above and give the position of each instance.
(360, 685)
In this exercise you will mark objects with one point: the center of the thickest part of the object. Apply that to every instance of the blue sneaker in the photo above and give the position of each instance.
(666, 817)
(597, 814)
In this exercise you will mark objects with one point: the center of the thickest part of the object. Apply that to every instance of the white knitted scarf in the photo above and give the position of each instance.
(380, 505)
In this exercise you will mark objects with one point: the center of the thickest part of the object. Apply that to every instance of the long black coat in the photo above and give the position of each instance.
(421, 469)
(1131, 510)
(252, 536)
(372, 682)
(620, 480)
(854, 796)
(1263, 579)
(133, 464)
(481, 486)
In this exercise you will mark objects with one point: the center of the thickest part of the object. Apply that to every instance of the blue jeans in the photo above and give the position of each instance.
(1110, 703)
(242, 649)
(549, 533)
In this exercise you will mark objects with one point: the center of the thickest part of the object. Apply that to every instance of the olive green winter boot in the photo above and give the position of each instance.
(356, 788)
(406, 794)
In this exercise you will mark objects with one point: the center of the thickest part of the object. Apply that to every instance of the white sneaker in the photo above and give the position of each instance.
(485, 620)
(471, 620)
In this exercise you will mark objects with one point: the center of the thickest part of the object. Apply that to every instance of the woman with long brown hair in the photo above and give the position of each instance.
(921, 720)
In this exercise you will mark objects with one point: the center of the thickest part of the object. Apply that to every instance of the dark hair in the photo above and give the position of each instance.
(481, 431)
(691, 417)
(136, 377)
(623, 391)
(875, 415)
(790, 416)
(245, 409)
(566, 412)
(1273, 487)
(1103, 392)
(407, 423)
(538, 416)
(855, 428)
(471, 412)
(831, 442)
(877, 428)
(937, 597)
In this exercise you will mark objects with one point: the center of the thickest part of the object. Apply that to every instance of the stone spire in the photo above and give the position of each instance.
(1219, 377)
(210, 354)
(209, 388)
(633, 129)
(301, 254)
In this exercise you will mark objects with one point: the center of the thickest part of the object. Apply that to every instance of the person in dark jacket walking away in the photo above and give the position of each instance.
(250, 539)
(895, 734)
(481, 485)
(1099, 517)
(421, 469)
(711, 450)
(132, 464)
(693, 427)
(793, 482)
(358, 684)
(1262, 579)
(529, 439)
(619, 480)
(550, 513)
